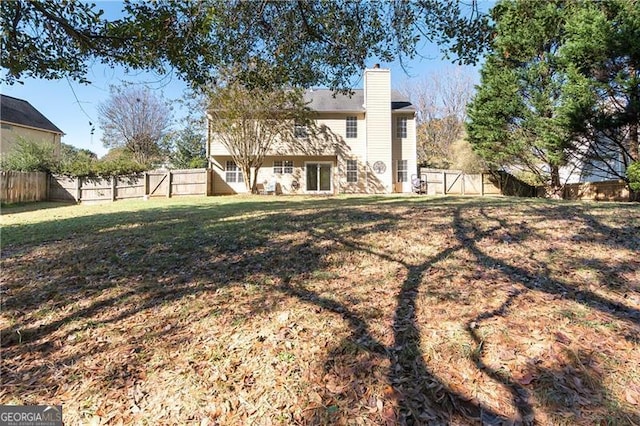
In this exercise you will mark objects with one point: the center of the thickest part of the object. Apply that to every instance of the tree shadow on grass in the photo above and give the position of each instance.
(417, 394)
(469, 236)
(138, 263)
(17, 208)
(423, 398)
(143, 262)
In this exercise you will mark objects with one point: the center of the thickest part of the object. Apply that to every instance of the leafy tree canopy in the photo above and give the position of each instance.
(561, 87)
(602, 58)
(187, 149)
(250, 121)
(514, 119)
(303, 42)
(136, 119)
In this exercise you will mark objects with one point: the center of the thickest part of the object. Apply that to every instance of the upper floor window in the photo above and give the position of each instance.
(352, 171)
(401, 127)
(352, 127)
(233, 173)
(403, 171)
(283, 166)
(300, 130)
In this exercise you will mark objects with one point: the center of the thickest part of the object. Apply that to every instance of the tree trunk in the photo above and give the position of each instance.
(254, 186)
(246, 175)
(251, 178)
(556, 190)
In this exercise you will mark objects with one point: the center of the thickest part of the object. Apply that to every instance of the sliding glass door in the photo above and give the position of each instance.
(319, 177)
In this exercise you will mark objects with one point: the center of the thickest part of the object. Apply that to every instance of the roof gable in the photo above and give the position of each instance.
(21, 112)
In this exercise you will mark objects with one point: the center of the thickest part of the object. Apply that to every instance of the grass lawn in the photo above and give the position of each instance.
(345, 310)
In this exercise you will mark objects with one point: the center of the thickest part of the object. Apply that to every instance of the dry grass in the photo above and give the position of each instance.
(371, 310)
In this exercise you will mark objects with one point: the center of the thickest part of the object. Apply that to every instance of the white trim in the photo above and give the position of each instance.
(284, 166)
(347, 171)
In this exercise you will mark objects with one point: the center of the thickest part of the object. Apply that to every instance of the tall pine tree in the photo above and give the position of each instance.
(561, 87)
(602, 57)
(515, 120)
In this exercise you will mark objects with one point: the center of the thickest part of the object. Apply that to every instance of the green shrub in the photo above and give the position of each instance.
(118, 166)
(31, 156)
(633, 173)
(78, 164)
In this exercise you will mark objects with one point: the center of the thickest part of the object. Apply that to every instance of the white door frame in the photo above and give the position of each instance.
(331, 165)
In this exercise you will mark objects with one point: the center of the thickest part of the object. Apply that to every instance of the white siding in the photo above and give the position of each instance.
(377, 95)
(287, 183)
(405, 149)
(376, 141)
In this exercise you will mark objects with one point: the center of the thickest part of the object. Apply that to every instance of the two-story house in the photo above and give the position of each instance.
(20, 120)
(364, 142)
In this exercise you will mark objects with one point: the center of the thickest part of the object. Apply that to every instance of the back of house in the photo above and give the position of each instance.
(363, 142)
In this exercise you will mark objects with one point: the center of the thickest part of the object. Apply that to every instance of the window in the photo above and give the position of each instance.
(401, 127)
(352, 127)
(281, 166)
(403, 170)
(233, 173)
(352, 171)
(300, 130)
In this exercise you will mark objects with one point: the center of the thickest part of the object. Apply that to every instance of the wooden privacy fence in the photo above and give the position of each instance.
(20, 187)
(158, 183)
(615, 190)
(456, 182)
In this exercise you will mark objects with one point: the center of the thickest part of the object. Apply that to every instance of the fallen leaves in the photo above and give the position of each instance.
(632, 396)
(341, 311)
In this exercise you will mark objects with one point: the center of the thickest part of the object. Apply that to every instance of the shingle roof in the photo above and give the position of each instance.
(18, 111)
(325, 100)
(400, 102)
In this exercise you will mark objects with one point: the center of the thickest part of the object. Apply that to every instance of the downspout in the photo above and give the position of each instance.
(366, 138)
(366, 154)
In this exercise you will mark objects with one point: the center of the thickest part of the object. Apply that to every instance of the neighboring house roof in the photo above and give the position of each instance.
(325, 100)
(21, 112)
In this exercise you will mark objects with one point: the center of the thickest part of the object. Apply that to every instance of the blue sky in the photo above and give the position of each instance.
(72, 106)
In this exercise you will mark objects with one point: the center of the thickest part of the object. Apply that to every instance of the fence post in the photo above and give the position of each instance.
(482, 184)
(48, 187)
(114, 181)
(444, 183)
(169, 184)
(78, 189)
(145, 185)
(464, 177)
